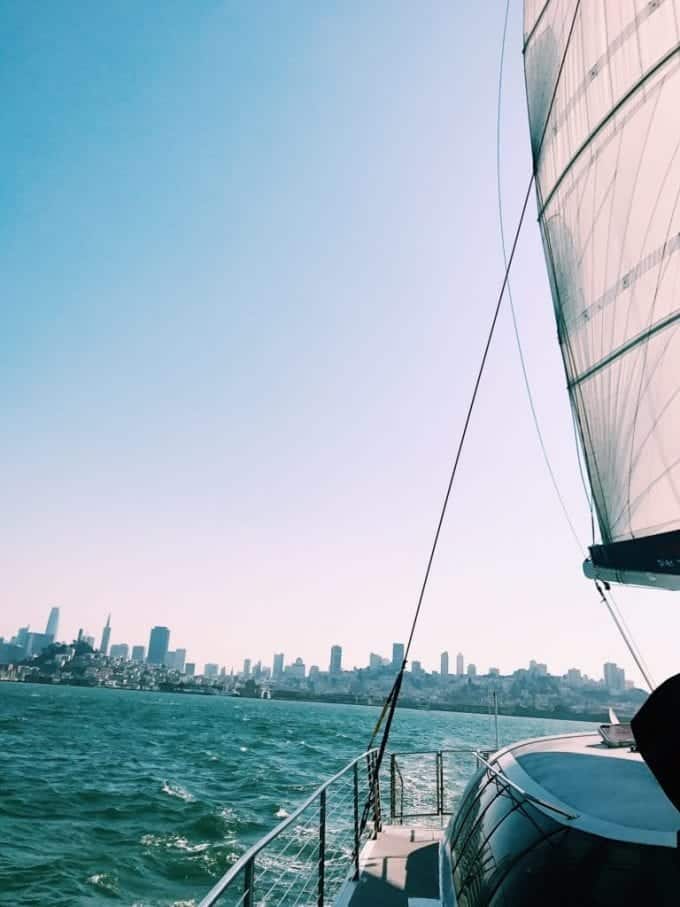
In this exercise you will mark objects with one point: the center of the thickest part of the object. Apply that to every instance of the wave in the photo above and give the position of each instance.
(176, 790)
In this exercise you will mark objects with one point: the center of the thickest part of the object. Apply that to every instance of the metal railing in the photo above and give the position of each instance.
(428, 784)
(307, 858)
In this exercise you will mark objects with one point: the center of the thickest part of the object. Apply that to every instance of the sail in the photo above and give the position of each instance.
(603, 89)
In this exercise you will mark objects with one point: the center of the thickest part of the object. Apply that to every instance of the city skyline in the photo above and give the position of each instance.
(158, 653)
(234, 405)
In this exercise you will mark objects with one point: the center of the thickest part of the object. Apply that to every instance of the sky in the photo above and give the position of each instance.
(249, 257)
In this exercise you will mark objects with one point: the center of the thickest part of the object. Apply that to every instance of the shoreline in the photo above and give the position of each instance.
(341, 699)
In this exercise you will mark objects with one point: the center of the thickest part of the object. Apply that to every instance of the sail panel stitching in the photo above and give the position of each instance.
(642, 81)
(626, 348)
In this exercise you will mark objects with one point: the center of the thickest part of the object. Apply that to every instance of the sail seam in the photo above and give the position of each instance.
(606, 119)
(630, 31)
(651, 260)
(626, 348)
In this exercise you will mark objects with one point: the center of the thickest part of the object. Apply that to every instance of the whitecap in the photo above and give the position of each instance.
(281, 814)
(176, 790)
(244, 749)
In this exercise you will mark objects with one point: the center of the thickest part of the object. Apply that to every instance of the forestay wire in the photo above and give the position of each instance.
(387, 713)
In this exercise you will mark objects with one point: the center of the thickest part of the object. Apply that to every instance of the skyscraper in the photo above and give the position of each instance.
(336, 660)
(460, 664)
(52, 627)
(246, 667)
(120, 651)
(159, 642)
(444, 664)
(180, 659)
(138, 653)
(106, 636)
(277, 669)
(397, 655)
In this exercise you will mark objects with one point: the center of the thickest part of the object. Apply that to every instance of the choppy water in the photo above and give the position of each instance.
(146, 799)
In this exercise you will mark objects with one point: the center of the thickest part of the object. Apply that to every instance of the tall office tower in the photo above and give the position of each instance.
(336, 660)
(246, 667)
(180, 659)
(444, 664)
(375, 660)
(472, 670)
(52, 627)
(277, 668)
(614, 677)
(138, 653)
(119, 651)
(397, 655)
(211, 670)
(460, 664)
(159, 642)
(190, 668)
(106, 636)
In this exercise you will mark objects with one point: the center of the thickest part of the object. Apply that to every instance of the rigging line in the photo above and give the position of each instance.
(631, 649)
(393, 696)
(396, 688)
(397, 685)
(511, 303)
(647, 674)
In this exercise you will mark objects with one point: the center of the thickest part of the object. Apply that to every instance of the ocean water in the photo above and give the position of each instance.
(147, 798)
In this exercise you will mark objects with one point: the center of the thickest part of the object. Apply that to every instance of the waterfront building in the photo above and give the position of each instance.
(10, 653)
(444, 664)
(460, 665)
(277, 668)
(335, 666)
(52, 628)
(574, 677)
(211, 670)
(472, 670)
(138, 653)
(494, 672)
(106, 636)
(21, 639)
(297, 669)
(416, 668)
(190, 668)
(121, 650)
(375, 660)
(159, 643)
(314, 672)
(614, 677)
(35, 643)
(538, 667)
(246, 667)
(397, 655)
(180, 660)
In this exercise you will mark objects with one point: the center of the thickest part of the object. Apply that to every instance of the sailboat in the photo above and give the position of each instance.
(591, 818)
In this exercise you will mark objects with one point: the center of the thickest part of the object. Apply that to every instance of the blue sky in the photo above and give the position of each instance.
(249, 257)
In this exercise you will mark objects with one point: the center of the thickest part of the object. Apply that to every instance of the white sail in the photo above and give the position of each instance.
(607, 169)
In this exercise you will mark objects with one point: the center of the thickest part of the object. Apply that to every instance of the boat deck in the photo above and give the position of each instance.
(398, 868)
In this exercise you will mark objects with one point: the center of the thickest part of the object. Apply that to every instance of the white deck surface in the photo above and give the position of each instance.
(399, 867)
(599, 784)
